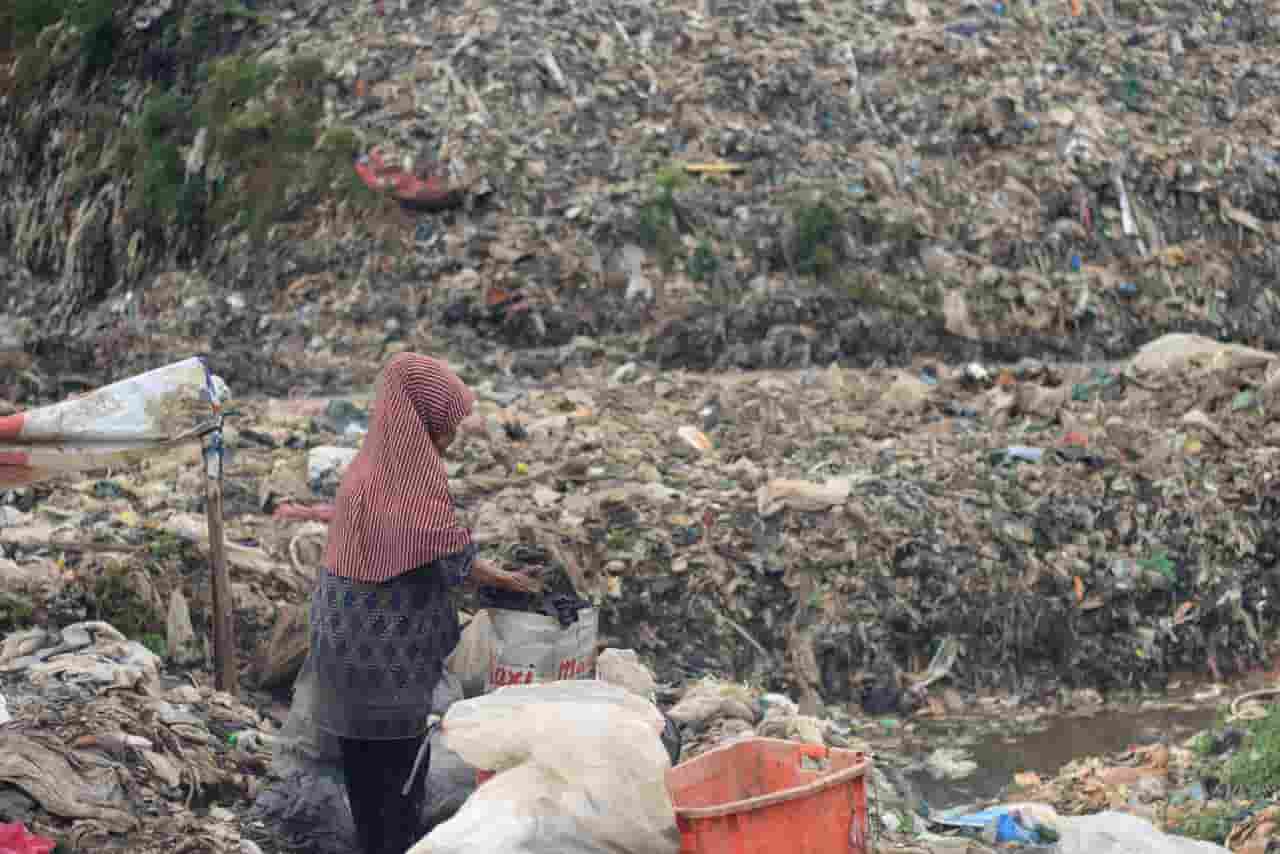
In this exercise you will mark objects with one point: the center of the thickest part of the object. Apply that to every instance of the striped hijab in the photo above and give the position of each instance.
(393, 511)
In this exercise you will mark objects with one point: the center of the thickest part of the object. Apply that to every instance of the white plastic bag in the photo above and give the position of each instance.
(529, 648)
(474, 654)
(1121, 833)
(623, 667)
(501, 730)
(581, 770)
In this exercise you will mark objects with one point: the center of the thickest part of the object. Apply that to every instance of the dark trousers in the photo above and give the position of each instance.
(387, 822)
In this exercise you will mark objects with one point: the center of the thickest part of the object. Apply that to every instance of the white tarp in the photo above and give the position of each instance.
(114, 425)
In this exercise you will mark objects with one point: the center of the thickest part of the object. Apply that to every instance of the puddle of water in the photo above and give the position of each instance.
(1043, 743)
(1056, 742)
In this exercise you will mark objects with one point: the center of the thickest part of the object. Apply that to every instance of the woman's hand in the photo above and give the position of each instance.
(485, 573)
(521, 582)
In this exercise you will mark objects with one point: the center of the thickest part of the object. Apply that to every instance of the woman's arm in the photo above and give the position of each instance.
(485, 573)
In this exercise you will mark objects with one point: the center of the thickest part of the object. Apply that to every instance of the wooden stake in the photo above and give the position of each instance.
(225, 676)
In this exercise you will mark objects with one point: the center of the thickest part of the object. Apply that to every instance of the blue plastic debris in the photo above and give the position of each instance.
(1001, 825)
(1128, 289)
(1076, 263)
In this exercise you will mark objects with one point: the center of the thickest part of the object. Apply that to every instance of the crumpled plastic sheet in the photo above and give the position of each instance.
(90, 652)
(61, 781)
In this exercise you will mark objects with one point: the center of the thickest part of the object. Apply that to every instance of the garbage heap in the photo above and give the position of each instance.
(103, 745)
(823, 533)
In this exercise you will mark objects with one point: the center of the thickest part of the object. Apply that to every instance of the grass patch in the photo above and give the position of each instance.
(817, 232)
(703, 263)
(264, 144)
(819, 217)
(99, 34)
(21, 21)
(116, 601)
(659, 217)
(1211, 825)
(1254, 769)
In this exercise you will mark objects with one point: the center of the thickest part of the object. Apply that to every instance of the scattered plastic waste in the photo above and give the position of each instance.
(1026, 824)
(250, 740)
(431, 193)
(1018, 453)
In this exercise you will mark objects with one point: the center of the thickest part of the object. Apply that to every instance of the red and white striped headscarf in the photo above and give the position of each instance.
(393, 512)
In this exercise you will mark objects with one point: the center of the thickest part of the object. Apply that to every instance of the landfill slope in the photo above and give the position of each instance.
(718, 271)
(717, 184)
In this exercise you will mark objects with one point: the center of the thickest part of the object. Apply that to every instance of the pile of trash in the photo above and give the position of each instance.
(970, 528)
(106, 742)
(725, 184)
(102, 743)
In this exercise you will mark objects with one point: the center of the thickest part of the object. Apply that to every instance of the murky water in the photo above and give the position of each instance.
(1043, 748)
(998, 745)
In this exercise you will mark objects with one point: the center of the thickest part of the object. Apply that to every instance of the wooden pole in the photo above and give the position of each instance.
(224, 639)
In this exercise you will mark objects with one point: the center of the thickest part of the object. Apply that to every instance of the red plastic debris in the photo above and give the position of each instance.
(433, 193)
(16, 839)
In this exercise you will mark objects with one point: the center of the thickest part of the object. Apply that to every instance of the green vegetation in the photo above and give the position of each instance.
(227, 141)
(1254, 769)
(265, 146)
(1202, 745)
(818, 229)
(159, 164)
(22, 22)
(659, 220)
(15, 613)
(116, 600)
(703, 263)
(819, 217)
(1211, 825)
(95, 21)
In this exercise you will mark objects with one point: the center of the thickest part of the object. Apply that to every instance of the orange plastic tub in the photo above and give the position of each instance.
(766, 796)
